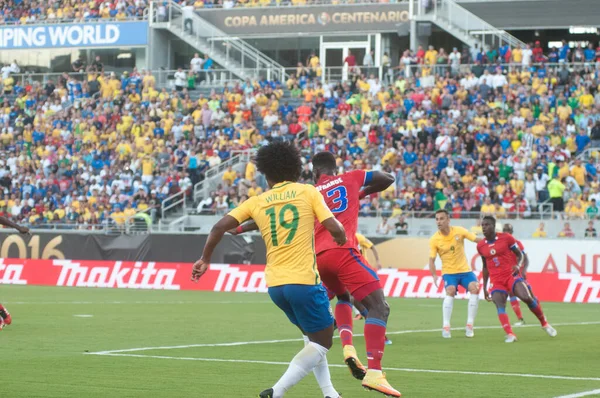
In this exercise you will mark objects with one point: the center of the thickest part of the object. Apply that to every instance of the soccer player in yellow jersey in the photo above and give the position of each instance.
(285, 216)
(448, 243)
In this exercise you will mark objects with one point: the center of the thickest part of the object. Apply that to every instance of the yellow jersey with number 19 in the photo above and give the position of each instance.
(285, 216)
(451, 249)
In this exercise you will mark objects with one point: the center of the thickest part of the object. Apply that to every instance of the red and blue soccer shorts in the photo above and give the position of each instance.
(506, 284)
(345, 269)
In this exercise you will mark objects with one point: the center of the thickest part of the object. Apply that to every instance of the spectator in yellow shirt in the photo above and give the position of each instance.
(254, 190)
(250, 173)
(517, 185)
(431, 56)
(229, 176)
(488, 208)
(539, 232)
(578, 173)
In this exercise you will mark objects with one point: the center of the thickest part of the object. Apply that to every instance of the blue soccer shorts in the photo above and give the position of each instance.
(306, 306)
(461, 279)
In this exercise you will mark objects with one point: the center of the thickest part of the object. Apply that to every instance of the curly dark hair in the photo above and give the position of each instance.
(279, 161)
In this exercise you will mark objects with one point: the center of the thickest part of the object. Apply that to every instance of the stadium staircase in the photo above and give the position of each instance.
(233, 54)
(466, 26)
(176, 208)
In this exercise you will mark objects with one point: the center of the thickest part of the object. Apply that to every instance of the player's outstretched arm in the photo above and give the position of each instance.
(245, 227)
(7, 223)
(432, 270)
(525, 265)
(486, 277)
(377, 182)
(520, 258)
(216, 234)
(376, 255)
(336, 229)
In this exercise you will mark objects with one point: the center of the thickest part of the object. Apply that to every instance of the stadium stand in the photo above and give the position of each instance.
(35, 12)
(502, 132)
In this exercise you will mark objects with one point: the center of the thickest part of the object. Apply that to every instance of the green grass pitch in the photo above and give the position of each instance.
(47, 351)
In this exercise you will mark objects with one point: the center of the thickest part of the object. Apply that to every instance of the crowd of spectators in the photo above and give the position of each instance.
(30, 12)
(487, 139)
(40, 11)
(94, 148)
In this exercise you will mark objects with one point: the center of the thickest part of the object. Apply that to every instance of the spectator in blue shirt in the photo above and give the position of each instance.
(409, 155)
(582, 140)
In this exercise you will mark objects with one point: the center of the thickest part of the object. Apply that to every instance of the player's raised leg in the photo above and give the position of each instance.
(473, 289)
(308, 308)
(328, 268)
(375, 331)
(321, 372)
(5, 315)
(514, 303)
(499, 298)
(521, 290)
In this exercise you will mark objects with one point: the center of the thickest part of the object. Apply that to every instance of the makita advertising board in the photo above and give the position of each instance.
(556, 287)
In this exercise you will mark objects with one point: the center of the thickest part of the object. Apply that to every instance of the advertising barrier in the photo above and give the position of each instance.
(154, 247)
(556, 287)
(545, 255)
(98, 34)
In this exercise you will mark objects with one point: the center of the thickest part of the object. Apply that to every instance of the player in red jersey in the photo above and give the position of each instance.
(5, 318)
(498, 251)
(344, 270)
(514, 301)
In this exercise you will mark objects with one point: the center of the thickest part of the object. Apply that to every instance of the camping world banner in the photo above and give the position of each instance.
(113, 34)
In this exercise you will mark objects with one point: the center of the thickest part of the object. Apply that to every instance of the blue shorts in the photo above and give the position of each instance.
(306, 306)
(463, 279)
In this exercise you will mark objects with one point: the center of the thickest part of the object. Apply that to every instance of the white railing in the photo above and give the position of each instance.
(465, 20)
(237, 52)
(202, 188)
(588, 153)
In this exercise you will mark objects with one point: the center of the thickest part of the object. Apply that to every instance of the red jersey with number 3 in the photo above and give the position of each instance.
(498, 255)
(341, 193)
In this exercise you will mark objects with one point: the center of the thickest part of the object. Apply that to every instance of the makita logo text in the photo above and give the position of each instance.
(140, 276)
(582, 289)
(232, 279)
(10, 274)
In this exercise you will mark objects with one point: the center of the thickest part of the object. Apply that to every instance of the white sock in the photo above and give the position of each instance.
(356, 311)
(302, 364)
(472, 311)
(321, 372)
(447, 309)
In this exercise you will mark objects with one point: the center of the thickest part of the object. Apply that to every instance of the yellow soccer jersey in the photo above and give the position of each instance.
(285, 216)
(451, 249)
(364, 244)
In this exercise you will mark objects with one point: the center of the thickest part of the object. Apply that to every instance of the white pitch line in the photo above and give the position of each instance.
(581, 394)
(241, 343)
(461, 372)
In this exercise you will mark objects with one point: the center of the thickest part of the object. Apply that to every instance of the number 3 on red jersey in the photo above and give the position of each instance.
(341, 201)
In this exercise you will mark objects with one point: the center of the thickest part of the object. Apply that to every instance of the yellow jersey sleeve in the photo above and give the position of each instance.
(433, 251)
(244, 210)
(363, 242)
(467, 234)
(320, 209)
